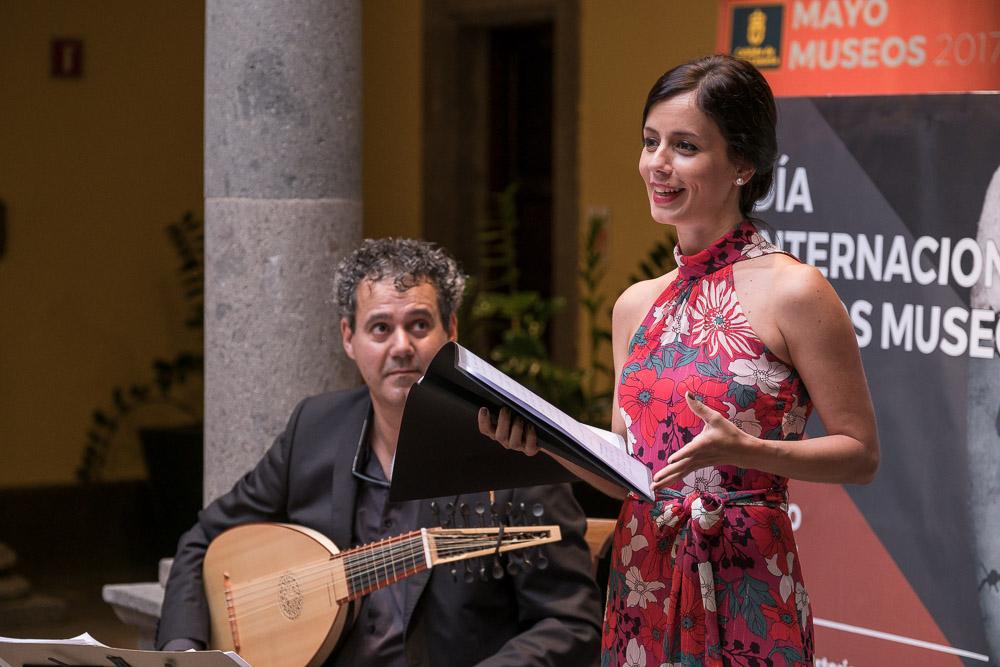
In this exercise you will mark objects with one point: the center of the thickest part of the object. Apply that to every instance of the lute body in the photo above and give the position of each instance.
(277, 593)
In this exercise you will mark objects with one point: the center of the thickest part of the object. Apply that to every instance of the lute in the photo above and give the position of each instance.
(277, 593)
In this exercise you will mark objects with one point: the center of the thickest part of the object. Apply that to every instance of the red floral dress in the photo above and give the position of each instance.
(709, 573)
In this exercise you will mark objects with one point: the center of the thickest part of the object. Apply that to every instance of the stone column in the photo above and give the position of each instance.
(282, 206)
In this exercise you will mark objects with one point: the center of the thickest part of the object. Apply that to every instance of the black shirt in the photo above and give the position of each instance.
(376, 637)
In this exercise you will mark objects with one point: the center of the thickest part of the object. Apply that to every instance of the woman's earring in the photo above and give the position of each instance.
(739, 181)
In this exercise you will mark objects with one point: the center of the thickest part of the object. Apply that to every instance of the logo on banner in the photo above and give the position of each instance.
(757, 35)
(865, 47)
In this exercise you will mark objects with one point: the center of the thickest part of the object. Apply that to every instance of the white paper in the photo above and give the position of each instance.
(85, 650)
(612, 438)
(609, 448)
(84, 640)
(235, 657)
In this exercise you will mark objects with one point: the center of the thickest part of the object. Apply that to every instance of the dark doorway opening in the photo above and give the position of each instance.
(520, 144)
(500, 114)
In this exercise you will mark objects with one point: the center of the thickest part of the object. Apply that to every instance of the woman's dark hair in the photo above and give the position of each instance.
(736, 96)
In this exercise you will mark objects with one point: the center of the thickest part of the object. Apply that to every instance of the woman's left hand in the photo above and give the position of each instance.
(720, 442)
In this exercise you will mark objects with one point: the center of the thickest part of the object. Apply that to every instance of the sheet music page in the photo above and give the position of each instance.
(609, 448)
(85, 650)
(83, 640)
(232, 655)
(612, 438)
(235, 657)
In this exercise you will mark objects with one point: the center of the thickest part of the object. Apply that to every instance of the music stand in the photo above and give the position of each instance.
(84, 651)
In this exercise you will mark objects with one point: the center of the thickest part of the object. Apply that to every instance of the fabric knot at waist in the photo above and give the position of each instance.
(694, 517)
(702, 510)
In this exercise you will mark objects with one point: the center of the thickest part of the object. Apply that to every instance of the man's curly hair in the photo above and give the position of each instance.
(408, 263)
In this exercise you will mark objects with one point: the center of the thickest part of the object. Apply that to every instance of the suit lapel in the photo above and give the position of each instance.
(345, 432)
(344, 429)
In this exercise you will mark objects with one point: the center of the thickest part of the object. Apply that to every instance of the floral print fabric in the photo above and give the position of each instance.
(708, 574)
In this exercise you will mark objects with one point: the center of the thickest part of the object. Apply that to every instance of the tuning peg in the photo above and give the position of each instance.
(512, 567)
(481, 512)
(497, 569)
(483, 575)
(454, 573)
(469, 574)
(439, 519)
(537, 511)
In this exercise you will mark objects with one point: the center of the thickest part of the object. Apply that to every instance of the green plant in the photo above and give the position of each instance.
(509, 326)
(597, 380)
(169, 376)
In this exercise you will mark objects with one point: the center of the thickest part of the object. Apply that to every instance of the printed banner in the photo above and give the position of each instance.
(897, 201)
(866, 47)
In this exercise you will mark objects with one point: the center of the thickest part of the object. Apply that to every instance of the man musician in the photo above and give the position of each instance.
(330, 471)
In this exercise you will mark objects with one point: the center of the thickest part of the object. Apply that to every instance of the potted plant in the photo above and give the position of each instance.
(173, 454)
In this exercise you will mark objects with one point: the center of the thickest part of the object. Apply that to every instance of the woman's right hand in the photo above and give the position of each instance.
(514, 434)
(509, 431)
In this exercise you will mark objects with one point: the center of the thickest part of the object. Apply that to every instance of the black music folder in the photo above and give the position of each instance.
(441, 451)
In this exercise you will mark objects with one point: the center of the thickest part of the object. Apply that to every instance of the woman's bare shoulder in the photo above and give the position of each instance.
(807, 306)
(798, 284)
(638, 297)
(633, 304)
(784, 279)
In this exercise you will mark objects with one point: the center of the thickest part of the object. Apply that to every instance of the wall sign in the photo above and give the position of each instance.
(67, 58)
(866, 47)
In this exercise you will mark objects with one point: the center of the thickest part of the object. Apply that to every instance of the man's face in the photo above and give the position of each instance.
(395, 336)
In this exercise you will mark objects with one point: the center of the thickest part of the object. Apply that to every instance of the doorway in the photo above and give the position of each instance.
(500, 140)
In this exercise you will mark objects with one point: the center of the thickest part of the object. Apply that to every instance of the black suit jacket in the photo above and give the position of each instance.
(535, 617)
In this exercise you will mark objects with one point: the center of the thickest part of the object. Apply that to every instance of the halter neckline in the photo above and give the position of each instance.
(741, 242)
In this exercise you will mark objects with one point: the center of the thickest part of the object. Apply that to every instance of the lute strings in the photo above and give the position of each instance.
(395, 558)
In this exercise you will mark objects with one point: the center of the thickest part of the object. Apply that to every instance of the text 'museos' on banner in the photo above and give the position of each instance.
(866, 47)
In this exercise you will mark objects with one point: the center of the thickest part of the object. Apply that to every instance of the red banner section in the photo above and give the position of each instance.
(849, 601)
(866, 47)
